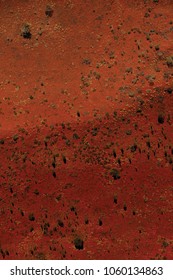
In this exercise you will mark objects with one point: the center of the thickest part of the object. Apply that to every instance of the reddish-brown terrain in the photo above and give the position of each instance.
(86, 129)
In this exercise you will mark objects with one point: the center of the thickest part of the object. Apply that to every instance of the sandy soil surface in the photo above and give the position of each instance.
(86, 131)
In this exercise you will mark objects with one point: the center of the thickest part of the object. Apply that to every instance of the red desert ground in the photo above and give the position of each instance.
(86, 129)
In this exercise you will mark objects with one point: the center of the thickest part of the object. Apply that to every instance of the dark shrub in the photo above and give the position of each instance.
(79, 244)
(115, 174)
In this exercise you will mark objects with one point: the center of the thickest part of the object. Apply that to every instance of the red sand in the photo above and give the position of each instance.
(86, 131)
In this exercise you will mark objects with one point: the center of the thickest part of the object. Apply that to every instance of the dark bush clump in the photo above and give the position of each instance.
(31, 217)
(169, 90)
(133, 148)
(60, 223)
(161, 119)
(115, 174)
(79, 244)
(26, 31)
(49, 11)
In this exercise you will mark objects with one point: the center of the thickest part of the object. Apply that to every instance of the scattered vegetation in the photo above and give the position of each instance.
(26, 31)
(79, 243)
(49, 11)
(115, 174)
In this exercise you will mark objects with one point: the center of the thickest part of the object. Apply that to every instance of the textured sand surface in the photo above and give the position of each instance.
(86, 129)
